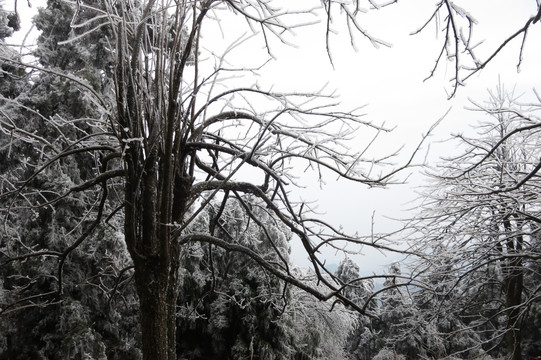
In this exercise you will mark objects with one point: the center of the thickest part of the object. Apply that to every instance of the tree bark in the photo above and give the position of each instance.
(513, 282)
(152, 291)
(155, 256)
(513, 298)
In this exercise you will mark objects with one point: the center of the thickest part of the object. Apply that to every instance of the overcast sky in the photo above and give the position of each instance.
(389, 82)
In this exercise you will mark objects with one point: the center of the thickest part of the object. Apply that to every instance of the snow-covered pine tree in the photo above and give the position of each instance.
(64, 279)
(362, 340)
(395, 335)
(320, 329)
(231, 307)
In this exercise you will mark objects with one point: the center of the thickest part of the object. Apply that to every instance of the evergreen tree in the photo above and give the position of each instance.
(320, 328)
(361, 341)
(231, 307)
(355, 288)
(396, 312)
(12, 77)
(59, 275)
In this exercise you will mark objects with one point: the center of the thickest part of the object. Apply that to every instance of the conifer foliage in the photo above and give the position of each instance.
(230, 306)
(58, 265)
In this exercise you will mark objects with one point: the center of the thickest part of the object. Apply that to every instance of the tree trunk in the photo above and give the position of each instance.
(172, 298)
(513, 281)
(513, 298)
(156, 310)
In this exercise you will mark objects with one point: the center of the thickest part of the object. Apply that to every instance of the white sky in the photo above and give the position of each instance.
(389, 81)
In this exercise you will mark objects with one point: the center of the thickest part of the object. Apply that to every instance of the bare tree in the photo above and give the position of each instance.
(456, 27)
(459, 44)
(479, 225)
